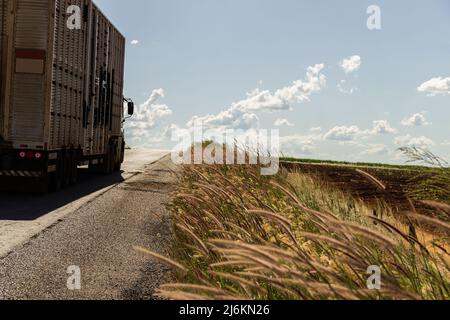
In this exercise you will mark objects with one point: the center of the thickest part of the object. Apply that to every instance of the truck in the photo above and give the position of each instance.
(61, 90)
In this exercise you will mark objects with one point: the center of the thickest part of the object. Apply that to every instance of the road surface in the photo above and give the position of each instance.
(85, 235)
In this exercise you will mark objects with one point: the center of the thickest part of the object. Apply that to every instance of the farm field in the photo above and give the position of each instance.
(403, 184)
(310, 232)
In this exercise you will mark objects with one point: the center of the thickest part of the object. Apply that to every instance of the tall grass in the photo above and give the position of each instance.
(420, 155)
(429, 187)
(240, 235)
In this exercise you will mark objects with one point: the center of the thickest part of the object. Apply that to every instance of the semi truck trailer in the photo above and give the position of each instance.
(61, 84)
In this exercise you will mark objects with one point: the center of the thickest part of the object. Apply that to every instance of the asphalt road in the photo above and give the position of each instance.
(78, 243)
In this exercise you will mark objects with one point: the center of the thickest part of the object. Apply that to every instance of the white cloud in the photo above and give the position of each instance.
(351, 64)
(376, 150)
(316, 129)
(299, 145)
(351, 133)
(343, 133)
(416, 120)
(343, 88)
(283, 122)
(409, 140)
(139, 127)
(436, 86)
(382, 127)
(134, 42)
(242, 114)
(352, 143)
(445, 143)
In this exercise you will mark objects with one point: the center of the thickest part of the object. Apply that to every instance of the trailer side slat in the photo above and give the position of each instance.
(80, 125)
(26, 118)
(63, 88)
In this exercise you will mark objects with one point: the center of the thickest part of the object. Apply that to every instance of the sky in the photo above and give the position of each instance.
(334, 88)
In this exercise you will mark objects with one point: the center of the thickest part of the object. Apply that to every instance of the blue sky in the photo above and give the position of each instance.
(195, 58)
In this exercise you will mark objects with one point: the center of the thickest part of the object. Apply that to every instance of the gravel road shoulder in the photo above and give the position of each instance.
(99, 238)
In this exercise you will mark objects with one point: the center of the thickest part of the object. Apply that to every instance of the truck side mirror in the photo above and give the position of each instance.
(130, 108)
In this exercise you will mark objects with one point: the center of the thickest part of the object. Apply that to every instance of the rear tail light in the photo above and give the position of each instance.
(31, 155)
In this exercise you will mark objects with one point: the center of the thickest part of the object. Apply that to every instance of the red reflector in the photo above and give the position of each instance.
(30, 155)
(30, 54)
(23, 146)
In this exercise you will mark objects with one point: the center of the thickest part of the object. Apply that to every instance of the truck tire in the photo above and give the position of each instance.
(118, 167)
(44, 185)
(74, 168)
(56, 177)
(67, 169)
(106, 167)
(118, 164)
(112, 159)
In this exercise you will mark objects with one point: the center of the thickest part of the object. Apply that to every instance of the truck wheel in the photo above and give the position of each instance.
(105, 167)
(57, 176)
(106, 164)
(67, 169)
(118, 164)
(113, 159)
(74, 168)
(44, 185)
(109, 161)
(55, 182)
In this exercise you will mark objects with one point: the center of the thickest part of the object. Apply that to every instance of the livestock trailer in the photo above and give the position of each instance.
(61, 84)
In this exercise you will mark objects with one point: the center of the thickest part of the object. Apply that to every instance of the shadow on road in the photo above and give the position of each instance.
(27, 207)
